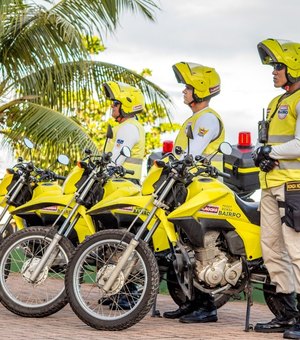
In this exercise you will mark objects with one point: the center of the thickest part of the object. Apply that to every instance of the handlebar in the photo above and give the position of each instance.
(129, 172)
(60, 177)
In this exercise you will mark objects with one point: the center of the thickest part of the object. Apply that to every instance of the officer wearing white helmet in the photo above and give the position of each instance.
(278, 157)
(201, 84)
(127, 102)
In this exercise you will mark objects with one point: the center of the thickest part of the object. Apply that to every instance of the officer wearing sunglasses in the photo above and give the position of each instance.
(278, 156)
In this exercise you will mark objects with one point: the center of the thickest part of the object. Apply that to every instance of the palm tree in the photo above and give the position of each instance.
(46, 70)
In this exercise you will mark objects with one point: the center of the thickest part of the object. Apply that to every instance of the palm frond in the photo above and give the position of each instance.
(47, 127)
(71, 86)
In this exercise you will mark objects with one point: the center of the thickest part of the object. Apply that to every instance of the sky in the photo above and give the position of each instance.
(222, 34)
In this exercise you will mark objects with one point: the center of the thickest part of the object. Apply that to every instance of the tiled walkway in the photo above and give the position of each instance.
(65, 325)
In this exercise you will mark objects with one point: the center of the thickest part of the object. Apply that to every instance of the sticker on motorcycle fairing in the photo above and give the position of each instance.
(144, 211)
(53, 208)
(202, 132)
(283, 111)
(229, 214)
(127, 208)
(210, 209)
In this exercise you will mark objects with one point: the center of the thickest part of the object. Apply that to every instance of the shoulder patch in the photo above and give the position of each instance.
(119, 142)
(202, 132)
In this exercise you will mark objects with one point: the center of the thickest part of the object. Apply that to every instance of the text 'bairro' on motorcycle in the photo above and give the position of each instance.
(214, 240)
(20, 184)
(33, 261)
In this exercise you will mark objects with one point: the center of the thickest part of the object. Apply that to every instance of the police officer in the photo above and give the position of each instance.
(278, 157)
(127, 102)
(201, 84)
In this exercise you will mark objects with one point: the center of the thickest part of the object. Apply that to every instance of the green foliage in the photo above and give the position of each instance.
(50, 89)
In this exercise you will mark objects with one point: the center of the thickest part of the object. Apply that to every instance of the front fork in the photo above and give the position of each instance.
(50, 254)
(124, 259)
(3, 228)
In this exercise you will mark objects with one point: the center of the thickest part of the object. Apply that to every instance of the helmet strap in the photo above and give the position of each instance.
(119, 119)
(192, 103)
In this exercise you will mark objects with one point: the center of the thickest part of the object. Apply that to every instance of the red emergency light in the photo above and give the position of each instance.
(244, 139)
(167, 146)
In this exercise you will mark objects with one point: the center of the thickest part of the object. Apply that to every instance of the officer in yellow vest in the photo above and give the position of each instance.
(201, 84)
(278, 157)
(127, 102)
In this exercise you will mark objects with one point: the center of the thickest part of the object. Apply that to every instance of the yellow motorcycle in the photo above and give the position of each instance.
(33, 261)
(213, 236)
(22, 183)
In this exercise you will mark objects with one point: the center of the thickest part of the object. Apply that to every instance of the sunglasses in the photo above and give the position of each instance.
(115, 103)
(278, 66)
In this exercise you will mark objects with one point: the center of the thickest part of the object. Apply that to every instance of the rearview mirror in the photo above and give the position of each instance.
(109, 132)
(225, 148)
(63, 159)
(125, 151)
(189, 132)
(28, 143)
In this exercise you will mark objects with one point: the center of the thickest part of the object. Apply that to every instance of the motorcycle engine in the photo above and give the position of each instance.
(213, 266)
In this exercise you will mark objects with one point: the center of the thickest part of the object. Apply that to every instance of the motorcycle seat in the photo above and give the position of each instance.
(250, 209)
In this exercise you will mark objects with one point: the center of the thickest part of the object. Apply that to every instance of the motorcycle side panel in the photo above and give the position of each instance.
(44, 201)
(108, 204)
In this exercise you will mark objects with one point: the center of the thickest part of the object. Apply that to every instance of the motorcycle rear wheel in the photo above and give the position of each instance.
(178, 296)
(19, 253)
(91, 266)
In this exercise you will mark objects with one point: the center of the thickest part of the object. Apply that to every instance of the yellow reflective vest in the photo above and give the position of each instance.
(281, 130)
(135, 161)
(212, 147)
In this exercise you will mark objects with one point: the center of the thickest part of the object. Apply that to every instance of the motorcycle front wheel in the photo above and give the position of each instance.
(19, 255)
(131, 294)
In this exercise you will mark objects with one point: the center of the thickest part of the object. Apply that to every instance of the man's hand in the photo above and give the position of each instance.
(261, 154)
(267, 165)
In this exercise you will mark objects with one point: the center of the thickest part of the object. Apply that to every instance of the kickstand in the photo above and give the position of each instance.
(249, 298)
(155, 312)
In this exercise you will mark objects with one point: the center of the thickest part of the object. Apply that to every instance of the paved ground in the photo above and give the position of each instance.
(65, 325)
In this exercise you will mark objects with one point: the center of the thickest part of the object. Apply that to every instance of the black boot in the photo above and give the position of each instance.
(185, 308)
(293, 332)
(206, 311)
(285, 320)
(127, 299)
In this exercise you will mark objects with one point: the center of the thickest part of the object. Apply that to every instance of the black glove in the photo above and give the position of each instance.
(267, 165)
(261, 153)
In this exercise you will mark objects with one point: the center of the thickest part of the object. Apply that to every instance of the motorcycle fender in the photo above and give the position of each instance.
(168, 226)
(85, 226)
(18, 221)
(126, 203)
(43, 202)
(2, 201)
(190, 207)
